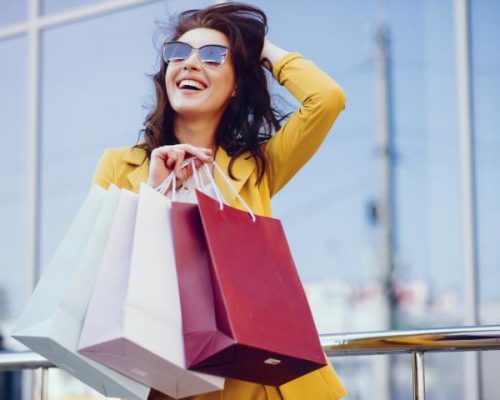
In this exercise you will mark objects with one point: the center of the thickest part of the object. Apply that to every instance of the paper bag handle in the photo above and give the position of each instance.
(170, 180)
(229, 184)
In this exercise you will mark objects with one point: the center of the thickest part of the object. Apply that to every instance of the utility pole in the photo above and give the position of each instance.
(385, 203)
(472, 368)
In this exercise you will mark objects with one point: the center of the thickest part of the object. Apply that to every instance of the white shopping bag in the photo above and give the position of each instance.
(51, 321)
(134, 322)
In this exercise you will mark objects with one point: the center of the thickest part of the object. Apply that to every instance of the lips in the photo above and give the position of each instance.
(191, 84)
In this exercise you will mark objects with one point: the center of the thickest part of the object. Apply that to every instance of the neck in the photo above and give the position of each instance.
(199, 132)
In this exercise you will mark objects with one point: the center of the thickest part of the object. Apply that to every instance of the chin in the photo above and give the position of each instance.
(189, 111)
(194, 108)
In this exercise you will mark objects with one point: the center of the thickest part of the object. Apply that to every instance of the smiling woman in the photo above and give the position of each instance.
(212, 102)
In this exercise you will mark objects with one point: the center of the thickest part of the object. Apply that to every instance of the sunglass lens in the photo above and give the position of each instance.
(176, 52)
(213, 55)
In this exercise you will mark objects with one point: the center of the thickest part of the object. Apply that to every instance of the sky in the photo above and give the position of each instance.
(94, 90)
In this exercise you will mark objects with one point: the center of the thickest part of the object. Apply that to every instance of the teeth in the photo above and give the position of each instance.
(190, 83)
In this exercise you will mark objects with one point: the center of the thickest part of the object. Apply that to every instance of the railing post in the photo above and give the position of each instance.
(44, 384)
(418, 375)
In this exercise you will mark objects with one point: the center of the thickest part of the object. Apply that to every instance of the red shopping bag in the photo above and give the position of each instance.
(244, 310)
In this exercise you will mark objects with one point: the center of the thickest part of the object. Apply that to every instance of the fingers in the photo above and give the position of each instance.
(197, 163)
(201, 153)
(166, 159)
(180, 150)
(178, 166)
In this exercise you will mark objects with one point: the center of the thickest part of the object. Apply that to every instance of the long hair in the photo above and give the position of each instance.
(249, 119)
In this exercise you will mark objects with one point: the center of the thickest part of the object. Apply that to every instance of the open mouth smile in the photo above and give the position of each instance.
(190, 84)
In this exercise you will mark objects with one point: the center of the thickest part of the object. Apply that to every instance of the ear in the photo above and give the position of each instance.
(233, 94)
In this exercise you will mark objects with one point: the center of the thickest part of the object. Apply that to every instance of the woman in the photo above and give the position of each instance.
(212, 102)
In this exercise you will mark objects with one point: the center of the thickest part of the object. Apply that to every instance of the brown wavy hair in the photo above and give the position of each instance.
(249, 119)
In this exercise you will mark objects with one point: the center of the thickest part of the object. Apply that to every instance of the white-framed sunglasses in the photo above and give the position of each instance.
(211, 55)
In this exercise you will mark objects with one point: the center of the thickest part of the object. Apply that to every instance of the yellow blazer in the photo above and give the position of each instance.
(286, 152)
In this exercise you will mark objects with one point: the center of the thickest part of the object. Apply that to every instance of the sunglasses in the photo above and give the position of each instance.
(211, 55)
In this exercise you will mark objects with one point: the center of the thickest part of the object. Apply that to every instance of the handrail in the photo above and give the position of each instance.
(16, 360)
(416, 342)
(423, 340)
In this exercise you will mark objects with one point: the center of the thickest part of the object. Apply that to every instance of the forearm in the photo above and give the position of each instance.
(321, 100)
(311, 86)
(271, 54)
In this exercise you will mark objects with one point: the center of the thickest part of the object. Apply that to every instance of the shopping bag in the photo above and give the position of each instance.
(51, 321)
(133, 323)
(245, 313)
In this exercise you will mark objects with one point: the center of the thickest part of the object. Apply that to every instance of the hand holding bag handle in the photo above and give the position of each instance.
(170, 182)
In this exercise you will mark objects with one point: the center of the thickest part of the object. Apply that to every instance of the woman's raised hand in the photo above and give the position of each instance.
(166, 159)
(271, 54)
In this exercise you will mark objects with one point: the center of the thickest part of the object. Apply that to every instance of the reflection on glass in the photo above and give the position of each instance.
(486, 78)
(12, 12)
(13, 130)
(93, 86)
(486, 88)
(55, 6)
(335, 246)
(428, 206)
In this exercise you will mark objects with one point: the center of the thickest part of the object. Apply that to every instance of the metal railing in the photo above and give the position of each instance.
(414, 342)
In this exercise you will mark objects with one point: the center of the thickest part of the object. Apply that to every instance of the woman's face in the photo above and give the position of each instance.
(217, 85)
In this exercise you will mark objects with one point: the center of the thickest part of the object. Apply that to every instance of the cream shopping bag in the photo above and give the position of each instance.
(51, 321)
(134, 322)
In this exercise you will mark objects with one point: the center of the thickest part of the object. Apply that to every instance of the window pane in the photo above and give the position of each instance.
(13, 213)
(13, 11)
(486, 85)
(324, 208)
(428, 197)
(94, 86)
(486, 75)
(55, 6)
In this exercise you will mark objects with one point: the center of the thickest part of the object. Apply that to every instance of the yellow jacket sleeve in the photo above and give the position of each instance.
(104, 173)
(321, 100)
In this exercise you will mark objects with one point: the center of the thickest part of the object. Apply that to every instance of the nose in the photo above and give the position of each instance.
(192, 62)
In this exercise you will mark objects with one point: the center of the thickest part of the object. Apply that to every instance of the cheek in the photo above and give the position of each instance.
(170, 75)
(168, 78)
(226, 85)
(170, 87)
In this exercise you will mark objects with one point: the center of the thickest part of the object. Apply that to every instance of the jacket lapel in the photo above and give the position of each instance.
(242, 169)
(137, 158)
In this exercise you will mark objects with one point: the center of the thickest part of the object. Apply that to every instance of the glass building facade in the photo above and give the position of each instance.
(94, 93)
